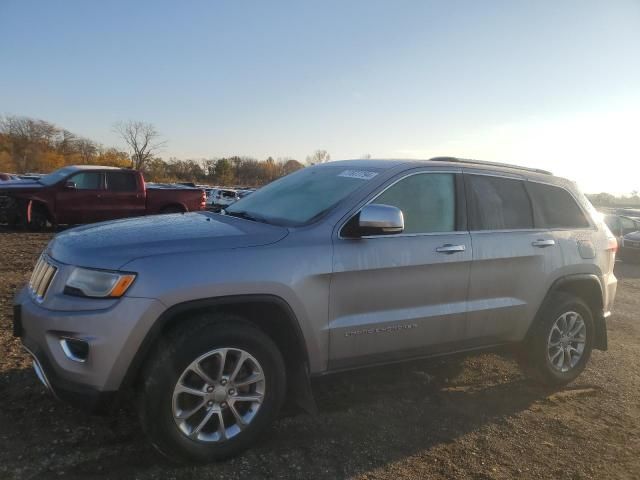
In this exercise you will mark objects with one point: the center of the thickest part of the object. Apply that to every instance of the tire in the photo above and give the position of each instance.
(172, 209)
(39, 218)
(540, 357)
(159, 404)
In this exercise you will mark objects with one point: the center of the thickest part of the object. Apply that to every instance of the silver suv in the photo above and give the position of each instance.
(336, 266)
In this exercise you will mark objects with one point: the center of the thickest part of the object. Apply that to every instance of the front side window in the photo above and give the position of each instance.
(555, 207)
(121, 182)
(427, 201)
(497, 203)
(87, 181)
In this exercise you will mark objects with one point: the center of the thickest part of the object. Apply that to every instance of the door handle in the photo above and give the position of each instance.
(543, 243)
(449, 249)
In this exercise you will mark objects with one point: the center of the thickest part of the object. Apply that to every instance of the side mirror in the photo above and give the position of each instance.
(375, 219)
(70, 184)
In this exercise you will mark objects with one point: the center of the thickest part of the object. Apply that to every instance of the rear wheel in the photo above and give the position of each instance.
(210, 391)
(560, 343)
(172, 209)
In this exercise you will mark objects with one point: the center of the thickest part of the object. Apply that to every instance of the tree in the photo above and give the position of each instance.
(291, 166)
(224, 171)
(112, 157)
(87, 150)
(319, 156)
(143, 140)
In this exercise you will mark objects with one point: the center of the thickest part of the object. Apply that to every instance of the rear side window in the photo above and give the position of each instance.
(121, 182)
(555, 207)
(427, 201)
(497, 203)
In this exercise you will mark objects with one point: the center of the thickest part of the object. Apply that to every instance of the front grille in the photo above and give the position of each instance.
(41, 278)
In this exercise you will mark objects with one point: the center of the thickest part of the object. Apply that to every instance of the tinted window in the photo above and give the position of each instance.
(555, 207)
(121, 182)
(628, 225)
(427, 202)
(498, 204)
(87, 180)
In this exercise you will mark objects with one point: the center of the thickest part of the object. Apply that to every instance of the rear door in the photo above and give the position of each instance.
(403, 295)
(82, 204)
(511, 258)
(124, 197)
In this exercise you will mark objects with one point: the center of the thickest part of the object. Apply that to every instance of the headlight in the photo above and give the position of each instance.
(98, 283)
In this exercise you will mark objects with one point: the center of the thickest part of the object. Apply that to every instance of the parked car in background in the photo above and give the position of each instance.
(86, 194)
(620, 225)
(630, 247)
(245, 192)
(221, 198)
(337, 266)
(626, 229)
(5, 177)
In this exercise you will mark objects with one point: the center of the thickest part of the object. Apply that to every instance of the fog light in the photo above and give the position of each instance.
(75, 349)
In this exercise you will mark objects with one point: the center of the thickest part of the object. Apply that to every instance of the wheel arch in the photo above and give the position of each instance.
(269, 313)
(167, 206)
(587, 287)
(33, 203)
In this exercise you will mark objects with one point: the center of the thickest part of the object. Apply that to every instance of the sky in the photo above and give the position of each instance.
(547, 84)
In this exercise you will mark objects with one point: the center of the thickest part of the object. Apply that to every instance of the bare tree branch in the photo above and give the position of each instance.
(143, 140)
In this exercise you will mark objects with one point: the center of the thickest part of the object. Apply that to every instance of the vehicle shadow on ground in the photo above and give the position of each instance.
(389, 412)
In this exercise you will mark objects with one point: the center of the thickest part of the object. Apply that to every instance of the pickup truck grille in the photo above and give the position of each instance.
(41, 278)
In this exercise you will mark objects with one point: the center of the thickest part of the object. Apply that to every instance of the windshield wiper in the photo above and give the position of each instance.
(244, 215)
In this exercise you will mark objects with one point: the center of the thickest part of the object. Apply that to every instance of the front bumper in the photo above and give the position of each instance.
(113, 336)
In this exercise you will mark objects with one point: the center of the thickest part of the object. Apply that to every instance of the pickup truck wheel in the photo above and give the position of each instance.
(38, 218)
(210, 391)
(172, 209)
(561, 340)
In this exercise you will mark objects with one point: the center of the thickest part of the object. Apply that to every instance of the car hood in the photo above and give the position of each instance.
(110, 245)
(634, 236)
(17, 186)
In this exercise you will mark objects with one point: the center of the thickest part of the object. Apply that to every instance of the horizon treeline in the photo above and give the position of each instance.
(36, 146)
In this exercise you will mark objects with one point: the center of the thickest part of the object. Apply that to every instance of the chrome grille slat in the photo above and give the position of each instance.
(41, 278)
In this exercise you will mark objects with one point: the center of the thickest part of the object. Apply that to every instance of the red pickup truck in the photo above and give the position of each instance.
(85, 194)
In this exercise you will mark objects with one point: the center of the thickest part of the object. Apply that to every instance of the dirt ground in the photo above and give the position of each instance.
(464, 417)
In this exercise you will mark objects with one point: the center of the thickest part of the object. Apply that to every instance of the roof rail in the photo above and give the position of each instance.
(489, 164)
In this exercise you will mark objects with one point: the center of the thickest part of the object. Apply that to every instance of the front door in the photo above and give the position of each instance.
(403, 295)
(81, 203)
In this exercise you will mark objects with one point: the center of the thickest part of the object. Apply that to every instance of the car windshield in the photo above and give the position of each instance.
(55, 177)
(302, 196)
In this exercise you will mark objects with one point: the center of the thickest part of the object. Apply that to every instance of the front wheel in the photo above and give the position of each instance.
(210, 391)
(560, 342)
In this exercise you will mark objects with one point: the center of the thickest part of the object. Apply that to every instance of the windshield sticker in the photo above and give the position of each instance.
(359, 174)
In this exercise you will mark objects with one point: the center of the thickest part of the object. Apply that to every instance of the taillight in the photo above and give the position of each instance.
(612, 244)
(203, 200)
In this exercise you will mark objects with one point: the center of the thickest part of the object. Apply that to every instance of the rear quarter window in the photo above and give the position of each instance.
(555, 207)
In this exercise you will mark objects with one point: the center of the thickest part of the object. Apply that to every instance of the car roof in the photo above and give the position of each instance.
(76, 168)
(449, 161)
(533, 174)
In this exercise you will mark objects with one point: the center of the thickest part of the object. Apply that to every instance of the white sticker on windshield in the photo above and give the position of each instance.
(359, 174)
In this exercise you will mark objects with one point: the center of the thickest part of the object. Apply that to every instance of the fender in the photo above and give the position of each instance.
(299, 371)
(600, 324)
